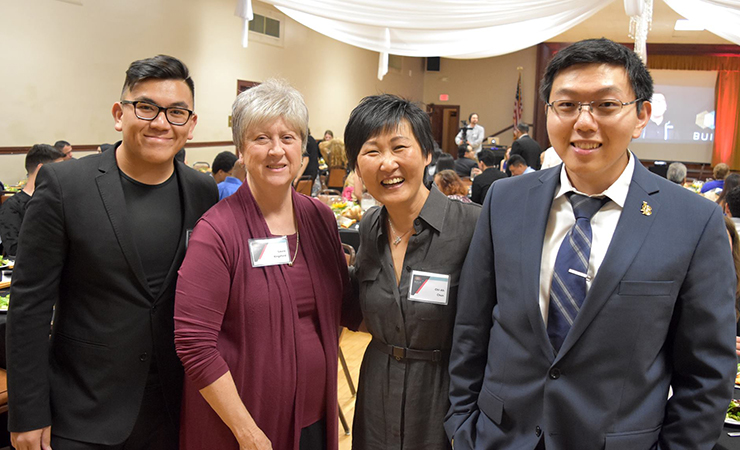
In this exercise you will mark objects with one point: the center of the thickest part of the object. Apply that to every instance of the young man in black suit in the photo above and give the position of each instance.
(102, 240)
(489, 174)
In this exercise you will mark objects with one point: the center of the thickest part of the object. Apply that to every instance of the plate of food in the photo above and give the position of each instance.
(733, 413)
(6, 263)
(4, 302)
(737, 377)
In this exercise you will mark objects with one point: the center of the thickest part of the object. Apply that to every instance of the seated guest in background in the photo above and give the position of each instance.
(734, 236)
(525, 146)
(334, 153)
(64, 147)
(731, 182)
(223, 167)
(518, 166)
(474, 134)
(732, 206)
(14, 208)
(489, 174)
(465, 161)
(328, 136)
(105, 147)
(561, 344)
(417, 235)
(259, 296)
(450, 184)
(102, 240)
(445, 162)
(676, 173)
(719, 172)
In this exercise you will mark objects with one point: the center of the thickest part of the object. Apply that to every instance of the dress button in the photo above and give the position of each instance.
(143, 357)
(554, 373)
(408, 268)
(537, 430)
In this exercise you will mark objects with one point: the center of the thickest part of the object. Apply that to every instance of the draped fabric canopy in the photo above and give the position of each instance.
(475, 28)
(721, 17)
(449, 28)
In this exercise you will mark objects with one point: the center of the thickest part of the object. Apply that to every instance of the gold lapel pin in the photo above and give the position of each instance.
(646, 210)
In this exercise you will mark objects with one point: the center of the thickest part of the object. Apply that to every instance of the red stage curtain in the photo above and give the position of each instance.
(727, 120)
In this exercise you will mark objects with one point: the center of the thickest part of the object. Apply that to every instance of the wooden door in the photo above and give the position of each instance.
(445, 125)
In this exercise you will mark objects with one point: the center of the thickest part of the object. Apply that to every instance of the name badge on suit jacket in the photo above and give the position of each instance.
(427, 287)
(188, 233)
(269, 251)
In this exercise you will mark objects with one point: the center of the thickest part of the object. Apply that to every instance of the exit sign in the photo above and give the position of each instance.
(443, 97)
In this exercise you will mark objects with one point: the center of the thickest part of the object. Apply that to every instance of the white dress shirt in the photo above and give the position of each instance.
(562, 219)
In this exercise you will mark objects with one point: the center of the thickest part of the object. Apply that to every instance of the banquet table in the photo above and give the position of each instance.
(726, 442)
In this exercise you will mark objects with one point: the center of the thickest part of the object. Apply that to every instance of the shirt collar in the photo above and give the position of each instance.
(233, 180)
(617, 192)
(432, 213)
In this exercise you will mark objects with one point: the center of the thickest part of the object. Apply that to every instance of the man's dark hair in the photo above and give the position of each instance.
(600, 51)
(160, 67)
(223, 161)
(487, 157)
(59, 145)
(523, 127)
(378, 114)
(733, 201)
(517, 160)
(445, 162)
(41, 154)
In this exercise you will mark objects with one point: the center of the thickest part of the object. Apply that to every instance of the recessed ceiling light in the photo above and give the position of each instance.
(688, 25)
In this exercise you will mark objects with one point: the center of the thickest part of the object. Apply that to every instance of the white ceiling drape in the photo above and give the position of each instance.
(721, 17)
(449, 28)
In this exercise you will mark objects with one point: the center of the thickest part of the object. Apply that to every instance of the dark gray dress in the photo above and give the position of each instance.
(401, 403)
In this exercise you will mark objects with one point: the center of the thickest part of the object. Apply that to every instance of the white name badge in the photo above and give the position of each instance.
(269, 251)
(429, 287)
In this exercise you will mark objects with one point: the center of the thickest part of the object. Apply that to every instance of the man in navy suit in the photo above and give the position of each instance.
(548, 354)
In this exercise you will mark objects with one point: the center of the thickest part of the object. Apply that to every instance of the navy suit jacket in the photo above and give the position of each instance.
(659, 313)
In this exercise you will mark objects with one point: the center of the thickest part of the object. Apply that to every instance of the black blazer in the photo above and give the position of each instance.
(529, 149)
(76, 252)
(482, 182)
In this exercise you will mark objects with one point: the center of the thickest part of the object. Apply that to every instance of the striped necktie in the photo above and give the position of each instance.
(568, 288)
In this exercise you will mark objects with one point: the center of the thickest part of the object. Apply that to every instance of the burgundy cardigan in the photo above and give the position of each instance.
(231, 316)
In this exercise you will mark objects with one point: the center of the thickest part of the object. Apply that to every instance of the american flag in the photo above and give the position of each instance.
(518, 102)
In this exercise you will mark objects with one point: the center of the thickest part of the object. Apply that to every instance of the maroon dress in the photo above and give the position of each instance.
(230, 316)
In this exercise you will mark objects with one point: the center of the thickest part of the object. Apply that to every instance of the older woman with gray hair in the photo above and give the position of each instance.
(676, 173)
(254, 328)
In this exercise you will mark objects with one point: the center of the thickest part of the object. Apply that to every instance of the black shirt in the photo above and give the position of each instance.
(312, 151)
(482, 182)
(11, 217)
(155, 217)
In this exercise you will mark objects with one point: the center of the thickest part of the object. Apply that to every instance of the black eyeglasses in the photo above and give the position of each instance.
(149, 111)
(569, 109)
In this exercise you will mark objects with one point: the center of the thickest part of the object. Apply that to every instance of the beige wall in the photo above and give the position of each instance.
(486, 86)
(62, 67)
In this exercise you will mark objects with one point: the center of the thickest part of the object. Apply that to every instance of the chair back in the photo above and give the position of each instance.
(305, 185)
(336, 177)
(349, 254)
